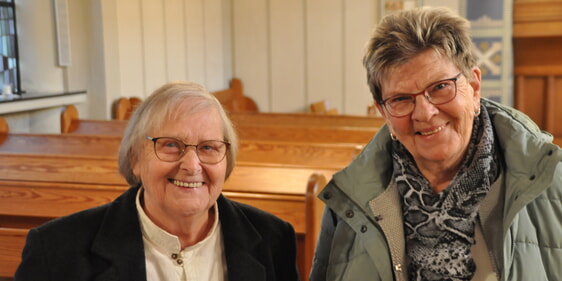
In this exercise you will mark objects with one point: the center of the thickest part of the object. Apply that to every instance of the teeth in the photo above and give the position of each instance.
(187, 184)
(431, 132)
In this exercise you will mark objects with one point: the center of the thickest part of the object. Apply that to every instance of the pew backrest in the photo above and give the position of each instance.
(69, 119)
(305, 120)
(233, 98)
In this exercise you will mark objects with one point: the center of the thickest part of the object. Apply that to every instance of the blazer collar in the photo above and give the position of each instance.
(119, 241)
(240, 239)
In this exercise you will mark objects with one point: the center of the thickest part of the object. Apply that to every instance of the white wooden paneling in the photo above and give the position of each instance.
(165, 40)
(106, 80)
(359, 20)
(287, 62)
(131, 61)
(310, 50)
(251, 49)
(174, 26)
(325, 51)
(195, 37)
(214, 55)
(287, 53)
(154, 44)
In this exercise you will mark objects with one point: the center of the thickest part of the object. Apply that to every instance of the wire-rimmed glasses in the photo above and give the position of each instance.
(170, 149)
(440, 92)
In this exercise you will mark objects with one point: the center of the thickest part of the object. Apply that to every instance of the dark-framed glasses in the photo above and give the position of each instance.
(170, 149)
(440, 92)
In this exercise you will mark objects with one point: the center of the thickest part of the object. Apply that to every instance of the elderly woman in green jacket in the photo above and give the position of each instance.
(455, 186)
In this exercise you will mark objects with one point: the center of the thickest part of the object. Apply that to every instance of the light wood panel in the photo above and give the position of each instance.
(537, 18)
(538, 62)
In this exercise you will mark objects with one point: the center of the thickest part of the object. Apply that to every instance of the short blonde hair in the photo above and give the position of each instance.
(168, 103)
(403, 35)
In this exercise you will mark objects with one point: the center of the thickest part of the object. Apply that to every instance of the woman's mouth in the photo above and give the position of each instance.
(427, 133)
(186, 184)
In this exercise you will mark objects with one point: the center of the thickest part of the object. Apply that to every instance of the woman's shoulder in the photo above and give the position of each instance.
(258, 217)
(87, 220)
(72, 224)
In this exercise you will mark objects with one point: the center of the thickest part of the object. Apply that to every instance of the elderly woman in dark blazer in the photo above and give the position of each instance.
(173, 223)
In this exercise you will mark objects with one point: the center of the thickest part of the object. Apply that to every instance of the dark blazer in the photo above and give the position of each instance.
(105, 243)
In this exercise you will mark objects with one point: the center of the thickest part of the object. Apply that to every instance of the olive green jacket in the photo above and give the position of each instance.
(526, 243)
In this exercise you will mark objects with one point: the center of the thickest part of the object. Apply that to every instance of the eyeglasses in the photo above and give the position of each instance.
(440, 92)
(171, 149)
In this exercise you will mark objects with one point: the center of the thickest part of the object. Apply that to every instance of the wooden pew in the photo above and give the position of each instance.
(11, 244)
(326, 155)
(234, 100)
(4, 128)
(30, 187)
(71, 123)
(91, 145)
(322, 107)
(304, 119)
(123, 107)
(325, 134)
(76, 172)
(299, 133)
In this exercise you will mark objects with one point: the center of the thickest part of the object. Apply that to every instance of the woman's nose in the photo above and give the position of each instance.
(189, 160)
(424, 110)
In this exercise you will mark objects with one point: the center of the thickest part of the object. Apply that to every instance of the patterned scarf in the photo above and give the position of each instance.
(439, 228)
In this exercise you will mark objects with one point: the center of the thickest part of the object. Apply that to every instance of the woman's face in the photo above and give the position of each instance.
(187, 187)
(433, 134)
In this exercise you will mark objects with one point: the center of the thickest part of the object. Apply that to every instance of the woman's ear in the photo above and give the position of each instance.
(380, 109)
(475, 82)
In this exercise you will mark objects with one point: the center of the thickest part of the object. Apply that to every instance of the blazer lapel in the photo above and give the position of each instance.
(240, 241)
(119, 241)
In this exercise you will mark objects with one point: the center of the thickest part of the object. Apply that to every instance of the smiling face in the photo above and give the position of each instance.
(433, 134)
(186, 188)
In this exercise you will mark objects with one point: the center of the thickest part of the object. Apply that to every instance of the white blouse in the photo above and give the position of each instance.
(166, 261)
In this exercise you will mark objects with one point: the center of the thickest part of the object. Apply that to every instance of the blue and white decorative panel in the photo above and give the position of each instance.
(491, 27)
(492, 34)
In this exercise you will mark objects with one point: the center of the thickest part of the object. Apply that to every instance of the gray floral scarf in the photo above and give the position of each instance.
(439, 228)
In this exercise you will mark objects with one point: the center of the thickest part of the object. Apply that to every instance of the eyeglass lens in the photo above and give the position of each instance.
(171, 149)
(438, 93)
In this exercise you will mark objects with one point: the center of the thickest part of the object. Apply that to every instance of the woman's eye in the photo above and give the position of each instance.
(171, 144)
(400, 99)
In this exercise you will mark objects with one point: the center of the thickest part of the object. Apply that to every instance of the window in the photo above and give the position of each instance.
(9, 63)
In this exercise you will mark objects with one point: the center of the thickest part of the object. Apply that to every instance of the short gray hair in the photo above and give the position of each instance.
(160, 107)
(403, 35)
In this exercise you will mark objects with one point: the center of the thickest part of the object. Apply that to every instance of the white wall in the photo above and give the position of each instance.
(288, 53)
(142, 44)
